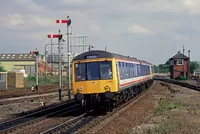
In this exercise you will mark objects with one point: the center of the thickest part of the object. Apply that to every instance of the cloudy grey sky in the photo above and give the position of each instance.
(152, 30)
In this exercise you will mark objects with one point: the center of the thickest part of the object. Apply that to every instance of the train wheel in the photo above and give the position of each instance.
(110, 106)
(84, 106)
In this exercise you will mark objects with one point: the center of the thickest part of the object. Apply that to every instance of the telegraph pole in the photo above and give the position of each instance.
(189, 63)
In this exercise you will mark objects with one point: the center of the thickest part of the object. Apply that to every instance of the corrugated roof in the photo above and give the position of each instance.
(179, 55)
(17, 57)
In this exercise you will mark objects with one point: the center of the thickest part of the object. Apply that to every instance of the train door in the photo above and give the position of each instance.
(118, 73)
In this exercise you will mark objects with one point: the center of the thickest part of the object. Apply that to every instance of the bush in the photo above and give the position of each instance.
(182, 78)
(2, 68)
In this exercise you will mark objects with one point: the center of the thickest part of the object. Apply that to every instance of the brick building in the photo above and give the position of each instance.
(179, 66)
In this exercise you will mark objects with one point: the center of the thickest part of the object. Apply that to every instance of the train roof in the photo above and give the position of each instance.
(105, 54)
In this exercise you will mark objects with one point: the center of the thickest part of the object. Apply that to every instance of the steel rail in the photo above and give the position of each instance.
(119, 109)
(16, 122)
(183, 84)
(73, 125)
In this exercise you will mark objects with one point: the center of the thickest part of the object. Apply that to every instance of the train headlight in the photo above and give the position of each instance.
(79, 89)
(107, 88)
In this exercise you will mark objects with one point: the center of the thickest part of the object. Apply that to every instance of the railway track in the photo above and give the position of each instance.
(8, 93)
(22, 98)
(13, 124)
(71, 125)
(89, 120)
(184, 84)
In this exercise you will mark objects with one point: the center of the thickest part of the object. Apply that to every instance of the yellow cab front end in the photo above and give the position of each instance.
(94, 76)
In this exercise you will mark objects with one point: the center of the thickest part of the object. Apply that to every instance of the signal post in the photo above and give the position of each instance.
(36, 53)
(68, 22)
(59, 36)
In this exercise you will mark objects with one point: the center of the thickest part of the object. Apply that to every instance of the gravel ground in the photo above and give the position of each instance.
(161, 110)
(10, 110)
(192, 82)
(8, 93)
(42, 126)
(138, 113)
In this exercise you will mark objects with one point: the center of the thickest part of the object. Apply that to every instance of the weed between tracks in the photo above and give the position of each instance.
(168, 123)
(166, 105)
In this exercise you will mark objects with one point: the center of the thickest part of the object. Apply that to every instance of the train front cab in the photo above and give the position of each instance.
(93, 78)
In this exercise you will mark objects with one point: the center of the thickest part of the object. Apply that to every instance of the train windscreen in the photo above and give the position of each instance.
(101, 70)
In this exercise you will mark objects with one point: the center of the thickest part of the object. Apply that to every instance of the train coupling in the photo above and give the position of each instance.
(108, 95)
(79, 96)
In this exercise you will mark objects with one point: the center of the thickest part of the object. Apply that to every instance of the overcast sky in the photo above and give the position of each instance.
(152, 30)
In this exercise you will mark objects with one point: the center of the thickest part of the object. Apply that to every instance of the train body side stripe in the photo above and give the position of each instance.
(133, 81)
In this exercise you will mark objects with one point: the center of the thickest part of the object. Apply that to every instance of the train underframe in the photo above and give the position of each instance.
(108, 101)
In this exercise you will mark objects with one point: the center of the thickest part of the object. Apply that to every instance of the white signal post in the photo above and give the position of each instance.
(60, 77)
(68, 21)
(36, 67)
(69, 66)
(36, 73)
(59, 36)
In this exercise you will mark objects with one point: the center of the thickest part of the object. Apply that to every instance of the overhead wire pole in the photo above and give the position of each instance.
(183, 62)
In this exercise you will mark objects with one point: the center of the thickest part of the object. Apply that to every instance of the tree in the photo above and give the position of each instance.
(163, 68)
(156, 69)
(193, 66)
(167, 62)
(2, 68)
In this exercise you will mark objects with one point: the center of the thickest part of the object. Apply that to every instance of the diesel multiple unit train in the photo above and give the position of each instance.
(101, 79)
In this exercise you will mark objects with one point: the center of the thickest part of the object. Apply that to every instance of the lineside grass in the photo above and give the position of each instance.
(50, 80)
(166, 105)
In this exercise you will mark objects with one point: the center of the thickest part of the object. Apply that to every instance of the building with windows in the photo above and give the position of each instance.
(196, 72)
(23, 61)
(179, 66)
(53, 61)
